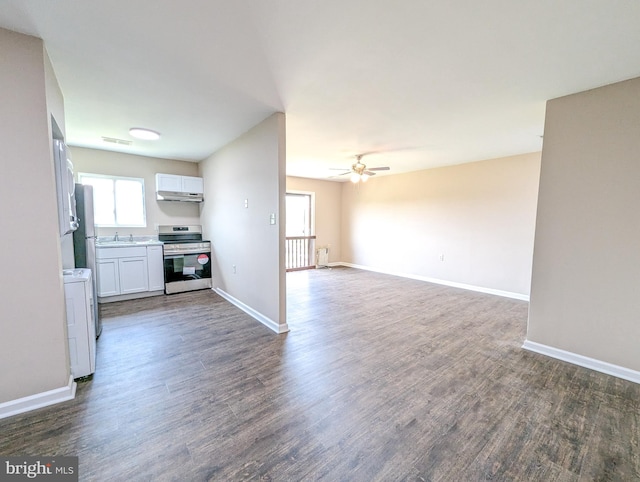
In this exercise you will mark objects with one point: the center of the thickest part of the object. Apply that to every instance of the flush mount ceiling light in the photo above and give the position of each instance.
(146, 134)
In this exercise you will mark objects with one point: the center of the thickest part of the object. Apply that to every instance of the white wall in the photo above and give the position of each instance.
(585, 294)
(118, 164)
(33, 344)
(250, 168)
(328, 211)
(480, 217)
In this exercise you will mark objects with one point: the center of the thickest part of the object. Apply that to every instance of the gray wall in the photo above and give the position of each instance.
(250, 168)
(585, 294)
(33, 341)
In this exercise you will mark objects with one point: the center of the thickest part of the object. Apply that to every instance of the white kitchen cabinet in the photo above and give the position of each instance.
(134, 276)
(129, 270)
(168, 182)
(193, 185)
(175, 183)
(155, 265)
(108, 277)
(122, 276)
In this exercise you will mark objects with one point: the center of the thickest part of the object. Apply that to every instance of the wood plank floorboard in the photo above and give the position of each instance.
(380, 379)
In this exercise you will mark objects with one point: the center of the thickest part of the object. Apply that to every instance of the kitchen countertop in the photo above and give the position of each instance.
(109, 242)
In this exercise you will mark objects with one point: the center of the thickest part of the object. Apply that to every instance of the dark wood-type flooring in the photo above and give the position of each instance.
(380, 378)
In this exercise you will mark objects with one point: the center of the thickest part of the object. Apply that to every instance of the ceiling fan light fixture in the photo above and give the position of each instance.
(145, 134)
(359, 171)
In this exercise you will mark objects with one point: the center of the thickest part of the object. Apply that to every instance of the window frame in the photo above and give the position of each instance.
(82, 175)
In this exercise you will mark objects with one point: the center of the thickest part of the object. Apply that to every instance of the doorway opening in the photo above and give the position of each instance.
(300, 231)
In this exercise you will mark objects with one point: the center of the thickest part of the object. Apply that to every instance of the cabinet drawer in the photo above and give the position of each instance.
(124, 252)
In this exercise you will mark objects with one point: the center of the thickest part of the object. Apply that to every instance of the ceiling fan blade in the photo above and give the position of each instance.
(338, 169)
(379, 168)
(369, 173)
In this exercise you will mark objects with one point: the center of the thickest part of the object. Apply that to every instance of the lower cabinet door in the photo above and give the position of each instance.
(155, 264)
(134, 276)
(108, 277)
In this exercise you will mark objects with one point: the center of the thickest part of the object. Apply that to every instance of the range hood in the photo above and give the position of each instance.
(172, 187)
(179, 196)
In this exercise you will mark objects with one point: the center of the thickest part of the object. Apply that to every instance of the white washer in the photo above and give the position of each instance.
(81, 328)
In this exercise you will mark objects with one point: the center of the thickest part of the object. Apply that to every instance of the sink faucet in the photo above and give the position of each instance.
(116, 238)
(131, 238)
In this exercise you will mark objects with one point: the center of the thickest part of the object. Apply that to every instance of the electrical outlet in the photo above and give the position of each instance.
(246, 203)
(234, 269)
(441, 256)
(272, 218)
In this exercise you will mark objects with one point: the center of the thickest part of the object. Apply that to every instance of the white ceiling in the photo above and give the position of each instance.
(422, 83)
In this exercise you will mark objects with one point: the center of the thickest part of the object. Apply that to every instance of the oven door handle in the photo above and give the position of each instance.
(173, 256)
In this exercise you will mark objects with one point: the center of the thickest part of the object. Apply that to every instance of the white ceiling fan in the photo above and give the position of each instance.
(359, 170)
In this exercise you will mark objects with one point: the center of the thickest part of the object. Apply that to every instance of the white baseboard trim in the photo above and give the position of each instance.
(268, 322)
(39, 400)
(453, 284)
(583, 361)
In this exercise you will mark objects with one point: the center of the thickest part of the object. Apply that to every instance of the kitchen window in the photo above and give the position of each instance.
(117, 201)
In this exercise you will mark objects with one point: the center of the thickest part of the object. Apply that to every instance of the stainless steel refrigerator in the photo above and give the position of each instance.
(84, 242)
